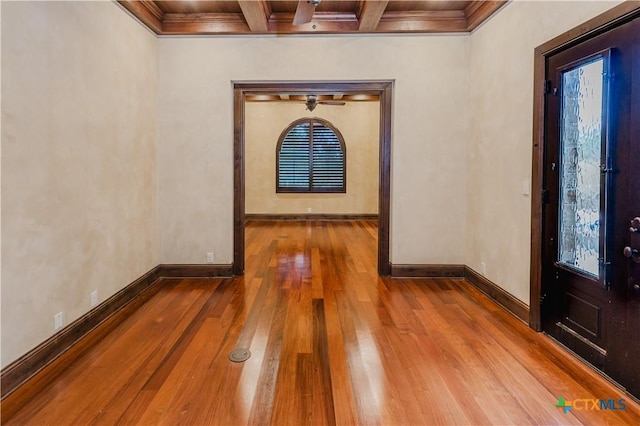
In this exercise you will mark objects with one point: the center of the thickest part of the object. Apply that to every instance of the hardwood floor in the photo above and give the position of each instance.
(331, 343)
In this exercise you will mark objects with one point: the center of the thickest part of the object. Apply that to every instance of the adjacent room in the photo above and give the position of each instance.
(320, 212)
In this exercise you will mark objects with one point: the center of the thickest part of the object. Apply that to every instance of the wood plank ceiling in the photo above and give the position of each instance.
(189, 17)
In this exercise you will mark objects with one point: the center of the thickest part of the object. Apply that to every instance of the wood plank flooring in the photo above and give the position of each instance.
(331, 343)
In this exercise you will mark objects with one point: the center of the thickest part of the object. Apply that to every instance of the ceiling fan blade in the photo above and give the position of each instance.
(304, 12)
(332, 103)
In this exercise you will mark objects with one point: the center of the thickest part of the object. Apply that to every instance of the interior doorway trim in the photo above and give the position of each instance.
(382, 88)
(610, 19)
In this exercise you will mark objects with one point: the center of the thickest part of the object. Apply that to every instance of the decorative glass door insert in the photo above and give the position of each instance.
(583, 166)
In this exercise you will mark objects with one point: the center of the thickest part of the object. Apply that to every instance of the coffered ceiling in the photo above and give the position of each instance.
(194, 17)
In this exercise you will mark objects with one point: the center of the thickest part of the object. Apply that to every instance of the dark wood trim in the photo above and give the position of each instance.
(512, 304)
(384, 184)
(195, 271)
(536, 193)
(34, 361)
(310, 216)
(610, 19)
(427, 271)
(238, 180)
(382, 88)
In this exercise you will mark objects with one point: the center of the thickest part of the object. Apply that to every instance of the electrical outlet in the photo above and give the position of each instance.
(483, 268)
(94, 298)
(209, 257)
(58, 321)
(308, 209)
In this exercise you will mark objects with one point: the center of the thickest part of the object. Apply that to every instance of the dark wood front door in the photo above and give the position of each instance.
(591, 274)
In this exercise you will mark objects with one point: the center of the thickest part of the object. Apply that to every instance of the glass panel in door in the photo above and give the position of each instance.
(581, 137)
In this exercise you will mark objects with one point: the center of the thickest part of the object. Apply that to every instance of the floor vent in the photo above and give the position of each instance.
(239, 355)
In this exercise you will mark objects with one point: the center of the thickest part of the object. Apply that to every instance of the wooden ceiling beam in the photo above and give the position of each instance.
(147, 12)
(322, 23)
(371, 13)
(204, 23)
(423, 22)
(479, 11)
(255, 14)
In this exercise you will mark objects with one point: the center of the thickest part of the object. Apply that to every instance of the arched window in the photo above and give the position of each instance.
(311, 157)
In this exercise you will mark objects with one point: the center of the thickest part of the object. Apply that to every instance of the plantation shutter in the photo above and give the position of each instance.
(311, 158)
(294, 159)
(328, 159)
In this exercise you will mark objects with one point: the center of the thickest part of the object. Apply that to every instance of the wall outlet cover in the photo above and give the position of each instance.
(58, 320)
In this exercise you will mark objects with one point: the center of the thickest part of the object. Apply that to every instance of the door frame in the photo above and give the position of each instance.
(383, 88)
(610, 19)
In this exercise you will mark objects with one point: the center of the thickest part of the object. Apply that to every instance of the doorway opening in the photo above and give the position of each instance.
(381, 88)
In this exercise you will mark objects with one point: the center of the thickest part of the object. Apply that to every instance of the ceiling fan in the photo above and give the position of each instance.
(305, 11)
(312, 102)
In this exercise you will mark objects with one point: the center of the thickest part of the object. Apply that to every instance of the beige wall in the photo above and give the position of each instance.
(358, 122)
(500, 130)
(79, 204)
(430, 115)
